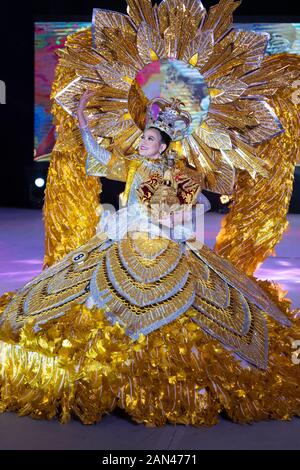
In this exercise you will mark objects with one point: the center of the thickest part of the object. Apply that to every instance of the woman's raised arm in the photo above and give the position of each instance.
(93, 148)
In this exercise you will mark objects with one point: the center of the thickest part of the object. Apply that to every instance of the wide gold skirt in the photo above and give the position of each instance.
(81, 365)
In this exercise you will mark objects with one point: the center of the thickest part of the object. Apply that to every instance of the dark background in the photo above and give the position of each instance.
(17, 71)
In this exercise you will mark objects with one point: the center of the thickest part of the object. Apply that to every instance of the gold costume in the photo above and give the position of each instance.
(161, 327)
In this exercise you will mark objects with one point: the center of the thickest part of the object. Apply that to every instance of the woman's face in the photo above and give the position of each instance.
(151, 145)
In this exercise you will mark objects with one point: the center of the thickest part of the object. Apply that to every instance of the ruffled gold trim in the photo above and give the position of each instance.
(81, 365)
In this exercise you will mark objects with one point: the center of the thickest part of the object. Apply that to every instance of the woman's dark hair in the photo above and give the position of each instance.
(165, 138)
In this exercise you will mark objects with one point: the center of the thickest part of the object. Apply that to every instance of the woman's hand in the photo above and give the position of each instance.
(87, 95)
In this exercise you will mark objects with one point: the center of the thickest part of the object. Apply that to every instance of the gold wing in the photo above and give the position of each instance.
(258, 215)
(71, 196)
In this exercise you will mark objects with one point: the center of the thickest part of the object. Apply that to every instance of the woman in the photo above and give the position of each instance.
(146, 319)
(148, 164)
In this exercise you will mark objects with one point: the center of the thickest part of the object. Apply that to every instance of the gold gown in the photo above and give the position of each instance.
(163, 329)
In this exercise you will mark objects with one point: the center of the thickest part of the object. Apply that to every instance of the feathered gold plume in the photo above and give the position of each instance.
(71, 197)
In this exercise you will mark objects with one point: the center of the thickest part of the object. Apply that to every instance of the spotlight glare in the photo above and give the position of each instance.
(39, 182)
(224, 199)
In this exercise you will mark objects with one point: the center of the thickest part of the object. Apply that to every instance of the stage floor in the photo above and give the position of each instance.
(22, 248)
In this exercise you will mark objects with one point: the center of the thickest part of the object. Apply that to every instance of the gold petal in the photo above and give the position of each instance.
(268, 123)
(203, 46)
(251, 47)
(246, 157)
(224, 177)
(240, 159)
(149, 41)
(221, 55)
(119, 47)
(202, 157)
(187, 154)
(214, 138)
(217, 170)
(127, 142)
(114, 36)
(256, 119)
(116, 74)
(232, 116)
(228, 89)
(275, 72)
(188, 10)
(216, 125)
(142, 12)
(238, 53)
(68, 98)
(219, 18)
(82, 59)
(179, 23)
(106, 92)
(98, 106)
(110, 124)
(103, 19)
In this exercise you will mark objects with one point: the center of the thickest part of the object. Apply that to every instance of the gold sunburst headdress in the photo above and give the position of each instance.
(177, 48)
